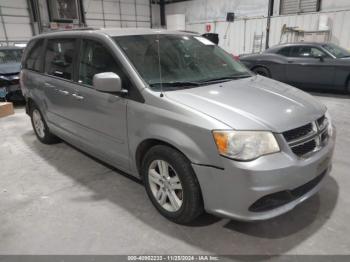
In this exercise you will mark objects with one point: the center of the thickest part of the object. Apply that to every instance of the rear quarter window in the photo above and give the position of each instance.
(284, 51)
(33, 57)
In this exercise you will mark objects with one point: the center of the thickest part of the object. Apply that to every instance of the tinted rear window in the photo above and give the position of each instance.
(284, 51)
(59, 58)
(33, 60)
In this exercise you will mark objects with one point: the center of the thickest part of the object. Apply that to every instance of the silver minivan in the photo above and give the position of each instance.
(200, 130)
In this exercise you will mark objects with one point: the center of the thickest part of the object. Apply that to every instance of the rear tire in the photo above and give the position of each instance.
(262, 71)
(41, 130)
(175, 192)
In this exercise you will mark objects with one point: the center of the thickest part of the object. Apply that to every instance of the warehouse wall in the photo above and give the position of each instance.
(326, 5)
(237, 37)
(115, 13)
(109, 13)
(335, 5)
(15, 23)
(155, 16)
(203, 10)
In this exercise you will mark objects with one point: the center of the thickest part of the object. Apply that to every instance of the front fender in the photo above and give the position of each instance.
(188, 133)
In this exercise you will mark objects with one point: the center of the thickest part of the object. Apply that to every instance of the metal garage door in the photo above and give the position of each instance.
(298, 6)
(117, 13)
(15, 23)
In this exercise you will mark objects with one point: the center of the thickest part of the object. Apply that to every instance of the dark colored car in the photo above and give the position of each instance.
(304, 65)
(10, 66)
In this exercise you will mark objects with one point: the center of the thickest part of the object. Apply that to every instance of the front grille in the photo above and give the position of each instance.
(305, 148)
(9, 79)
(281, 198)
(10, 74)
(308, 138)
(297, 132)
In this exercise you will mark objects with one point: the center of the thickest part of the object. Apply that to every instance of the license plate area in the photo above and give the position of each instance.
(3, 92)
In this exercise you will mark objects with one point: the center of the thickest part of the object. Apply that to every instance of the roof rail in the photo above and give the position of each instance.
(72, 29)
(190, 32)
(82, 28)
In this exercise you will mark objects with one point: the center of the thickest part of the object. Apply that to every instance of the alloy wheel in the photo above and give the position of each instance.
(38, 123)
(165, 185)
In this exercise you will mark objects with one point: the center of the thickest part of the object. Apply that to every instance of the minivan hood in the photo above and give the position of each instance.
(10, 68)
(255, 103)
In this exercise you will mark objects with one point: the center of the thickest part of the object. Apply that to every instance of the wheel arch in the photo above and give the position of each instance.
(196, 144)
(146, 145)
(263, 66)
(29, 105)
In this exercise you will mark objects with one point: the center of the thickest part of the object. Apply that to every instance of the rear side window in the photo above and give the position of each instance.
(284, 51)
(59, 58)
(33, 60)
(307, 52)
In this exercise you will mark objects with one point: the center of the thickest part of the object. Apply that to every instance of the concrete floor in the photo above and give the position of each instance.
(57, 200)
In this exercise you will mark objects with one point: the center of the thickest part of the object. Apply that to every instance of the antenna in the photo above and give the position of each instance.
(160, 68)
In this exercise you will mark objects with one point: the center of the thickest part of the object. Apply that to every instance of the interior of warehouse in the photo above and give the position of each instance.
(21, 19)
(168, 130)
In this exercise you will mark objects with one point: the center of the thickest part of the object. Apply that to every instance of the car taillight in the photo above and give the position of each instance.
(236, 57)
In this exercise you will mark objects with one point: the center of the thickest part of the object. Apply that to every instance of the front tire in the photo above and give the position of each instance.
(40, 127)
(171, 184)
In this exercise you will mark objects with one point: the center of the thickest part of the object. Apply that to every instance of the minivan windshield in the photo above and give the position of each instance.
(337, 51)
(183, 61)
(10, 56)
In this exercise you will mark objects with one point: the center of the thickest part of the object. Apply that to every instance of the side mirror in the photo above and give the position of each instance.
(320, 57)
(108, 82)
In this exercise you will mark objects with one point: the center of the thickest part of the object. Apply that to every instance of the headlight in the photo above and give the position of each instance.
(330, 124)
(245, 145)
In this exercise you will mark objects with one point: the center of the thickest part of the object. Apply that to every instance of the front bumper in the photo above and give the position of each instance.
(231, 192)
(14, 93)
(10, 85)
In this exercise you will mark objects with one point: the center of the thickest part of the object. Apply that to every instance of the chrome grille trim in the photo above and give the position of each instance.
(316, 135)
(303, 140)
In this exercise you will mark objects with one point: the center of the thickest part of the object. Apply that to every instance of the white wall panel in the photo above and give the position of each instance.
(205, 10)
(155, 16)
(117, 13)
(335, 5)
(240, 34)
(14, 3)
(15, 23)
(339, 25)
(236, 38)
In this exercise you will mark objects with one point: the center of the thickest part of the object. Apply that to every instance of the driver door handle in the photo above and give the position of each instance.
(63, 92)
(78, 97)
(49, 85)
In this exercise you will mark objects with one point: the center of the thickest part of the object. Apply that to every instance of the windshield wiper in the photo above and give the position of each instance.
(225, 79)
(189, 84)
(176, 84)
